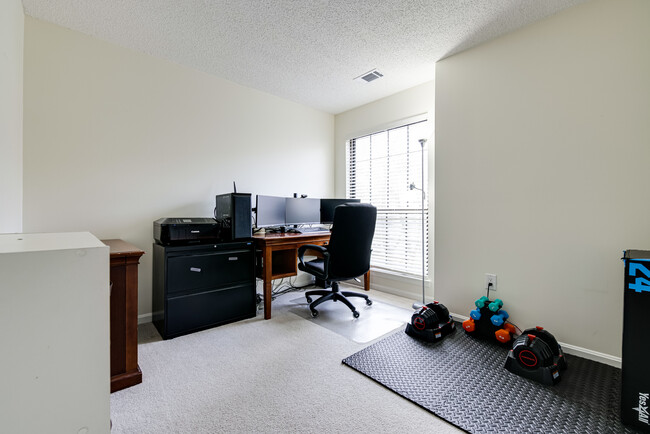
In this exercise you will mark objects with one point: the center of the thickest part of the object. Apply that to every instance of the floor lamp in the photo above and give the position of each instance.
(417, 305)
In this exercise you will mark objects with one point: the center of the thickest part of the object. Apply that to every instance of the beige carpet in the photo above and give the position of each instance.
(283, 375)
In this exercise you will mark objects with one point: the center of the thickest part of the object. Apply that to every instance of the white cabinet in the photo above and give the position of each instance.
(54, 334)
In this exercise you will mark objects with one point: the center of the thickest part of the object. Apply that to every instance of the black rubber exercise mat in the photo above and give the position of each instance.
(462, 380)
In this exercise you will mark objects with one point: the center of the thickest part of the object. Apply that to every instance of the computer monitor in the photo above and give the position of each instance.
(327, 207)
(270, 211)
(302, 211)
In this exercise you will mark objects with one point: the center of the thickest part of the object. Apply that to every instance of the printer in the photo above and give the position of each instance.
(178, 231)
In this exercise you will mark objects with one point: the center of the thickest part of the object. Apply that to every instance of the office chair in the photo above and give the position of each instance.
(346, 257)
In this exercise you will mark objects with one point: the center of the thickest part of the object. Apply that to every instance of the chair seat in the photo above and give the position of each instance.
(315, 266)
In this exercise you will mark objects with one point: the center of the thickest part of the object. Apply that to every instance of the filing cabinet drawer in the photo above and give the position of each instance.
(193, 312)
(201, 286)
(192, 272)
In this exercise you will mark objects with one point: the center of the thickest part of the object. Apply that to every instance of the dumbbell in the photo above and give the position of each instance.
(469, 325)
(503, 335)
(545, 336)
(480, 303)
(430, 316)
(499, 318)
(532, 352)
(495, 305)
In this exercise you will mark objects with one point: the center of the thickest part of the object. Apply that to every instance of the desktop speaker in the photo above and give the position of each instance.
(233, 213)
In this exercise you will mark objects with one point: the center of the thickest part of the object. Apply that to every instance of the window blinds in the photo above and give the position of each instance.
(380, 168)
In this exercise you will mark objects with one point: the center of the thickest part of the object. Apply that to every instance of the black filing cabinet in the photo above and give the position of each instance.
(201, 286)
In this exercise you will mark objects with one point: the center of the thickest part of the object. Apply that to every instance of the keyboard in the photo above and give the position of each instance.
(312, 230)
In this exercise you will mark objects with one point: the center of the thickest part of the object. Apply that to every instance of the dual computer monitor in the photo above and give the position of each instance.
(283, 211)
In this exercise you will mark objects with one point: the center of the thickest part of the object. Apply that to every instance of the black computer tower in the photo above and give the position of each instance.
(635, 373)
(233, 212)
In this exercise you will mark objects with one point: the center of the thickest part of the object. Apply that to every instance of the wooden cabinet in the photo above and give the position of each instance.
(124, 258)
(201, 286)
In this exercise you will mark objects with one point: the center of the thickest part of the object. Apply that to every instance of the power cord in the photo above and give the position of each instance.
(515, 326)
(285, 287)
(488, 290)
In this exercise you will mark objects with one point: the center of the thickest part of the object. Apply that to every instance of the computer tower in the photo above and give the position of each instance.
(233, 212)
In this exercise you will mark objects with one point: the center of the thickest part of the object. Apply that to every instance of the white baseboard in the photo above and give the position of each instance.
(144, 318)
(591, 355)
(572, 349)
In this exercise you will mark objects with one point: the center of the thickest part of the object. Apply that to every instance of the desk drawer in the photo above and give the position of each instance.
(207, 309)
(210, 270)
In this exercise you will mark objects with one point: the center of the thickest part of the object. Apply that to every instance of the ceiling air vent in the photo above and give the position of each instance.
(370, 76)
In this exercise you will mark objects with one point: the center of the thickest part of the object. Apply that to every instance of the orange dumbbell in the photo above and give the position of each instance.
(469, 325)
(502, 335)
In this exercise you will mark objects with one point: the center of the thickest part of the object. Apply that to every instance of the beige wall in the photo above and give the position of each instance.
(115, 139)
(11, 115)
(385, 113)
(542, 170)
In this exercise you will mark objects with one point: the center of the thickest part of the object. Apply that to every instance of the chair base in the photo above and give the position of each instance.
(334, 295)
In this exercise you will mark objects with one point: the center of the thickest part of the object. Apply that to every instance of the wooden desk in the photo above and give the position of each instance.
(125, 371)
(280, 258)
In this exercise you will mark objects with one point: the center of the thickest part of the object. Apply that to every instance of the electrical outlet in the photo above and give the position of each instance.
(491, 278)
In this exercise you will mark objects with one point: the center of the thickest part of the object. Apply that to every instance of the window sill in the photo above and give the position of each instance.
(397, 276)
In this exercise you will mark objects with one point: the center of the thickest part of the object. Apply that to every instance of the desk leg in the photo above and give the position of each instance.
(267, 256)
(366, 281)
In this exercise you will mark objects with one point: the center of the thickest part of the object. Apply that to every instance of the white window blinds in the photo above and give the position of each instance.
(380, 168)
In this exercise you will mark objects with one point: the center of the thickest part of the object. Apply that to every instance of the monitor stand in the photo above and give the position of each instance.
(275, 230)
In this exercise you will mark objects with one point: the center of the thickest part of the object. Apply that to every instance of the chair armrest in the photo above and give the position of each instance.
(319, 250)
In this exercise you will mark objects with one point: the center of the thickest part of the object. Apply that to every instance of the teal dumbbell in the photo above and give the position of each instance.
(495, 305)
(480, 303)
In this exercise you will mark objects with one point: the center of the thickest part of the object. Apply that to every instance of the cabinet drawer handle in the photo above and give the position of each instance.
(195, 232)
(195, 269)
(233, 258)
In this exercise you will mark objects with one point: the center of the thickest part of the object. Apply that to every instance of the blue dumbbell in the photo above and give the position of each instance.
(497, 319)
(475, 315)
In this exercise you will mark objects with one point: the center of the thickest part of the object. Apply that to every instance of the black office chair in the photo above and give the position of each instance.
(346, 257)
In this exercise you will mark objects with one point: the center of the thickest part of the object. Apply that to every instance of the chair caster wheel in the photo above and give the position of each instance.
(314, 313)
(309, 300)
(355, 314)
(369, 302)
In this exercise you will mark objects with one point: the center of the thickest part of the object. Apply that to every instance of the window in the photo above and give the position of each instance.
(380, 168)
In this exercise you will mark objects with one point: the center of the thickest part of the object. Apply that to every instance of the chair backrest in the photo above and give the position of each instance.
(351, 240)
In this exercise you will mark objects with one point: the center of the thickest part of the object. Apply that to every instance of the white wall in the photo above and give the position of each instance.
(543, 169)
(115, 139)
(385, 113)
(12, 22)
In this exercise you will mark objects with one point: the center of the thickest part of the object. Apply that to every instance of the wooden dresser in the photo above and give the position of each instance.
(124, 258)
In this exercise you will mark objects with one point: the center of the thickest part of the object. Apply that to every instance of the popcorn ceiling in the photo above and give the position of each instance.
(307, 51)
